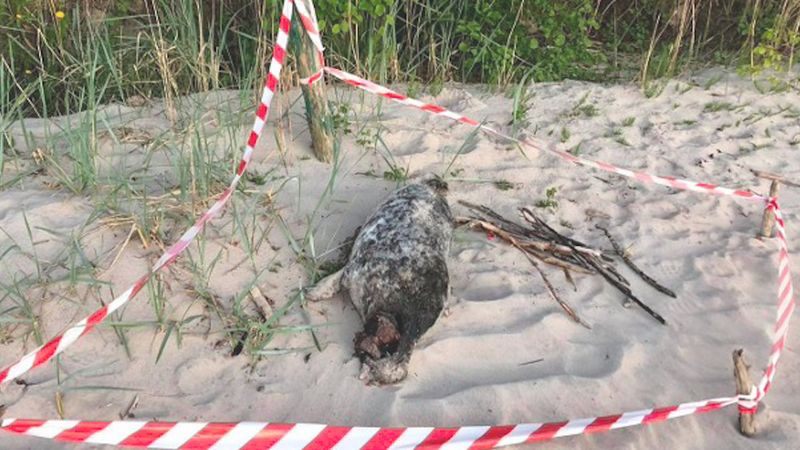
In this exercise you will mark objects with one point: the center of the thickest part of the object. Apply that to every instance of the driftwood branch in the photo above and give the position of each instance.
(627, 260)
(530, 233)
(614, 278)
(774, 177)
(768, 218)
(530, 253)
(564, 305)
(541, 243)
(539, 249)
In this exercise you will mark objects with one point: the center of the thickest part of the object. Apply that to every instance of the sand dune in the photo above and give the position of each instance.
(475, 366)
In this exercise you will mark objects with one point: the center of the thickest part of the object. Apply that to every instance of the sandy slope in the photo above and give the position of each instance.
(470, 367)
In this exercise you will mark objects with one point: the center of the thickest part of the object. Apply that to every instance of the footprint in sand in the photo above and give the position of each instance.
(456, 100)
(670, 269)
(476, 252)
(412, 147)
(699, 297)
(487, 287)
(201, 376)
(716, 265)
(668, 230)
(663, 210)
(594, 360)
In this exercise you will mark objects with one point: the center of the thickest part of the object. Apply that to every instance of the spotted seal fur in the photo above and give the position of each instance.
(396, 277)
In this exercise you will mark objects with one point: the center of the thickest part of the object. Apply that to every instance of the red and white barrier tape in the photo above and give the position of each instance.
(676, 183)
(263, 436)
(309, 21)
(255, 435)
(58, 344)
(308, 17)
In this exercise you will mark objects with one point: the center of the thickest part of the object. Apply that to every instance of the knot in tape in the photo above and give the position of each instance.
(772, 203)
(313, 78)
(746, 411)
(748, 404)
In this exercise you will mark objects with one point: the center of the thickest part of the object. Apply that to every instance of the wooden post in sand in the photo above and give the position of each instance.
(768, 220)
(747, 421)
(317, 115)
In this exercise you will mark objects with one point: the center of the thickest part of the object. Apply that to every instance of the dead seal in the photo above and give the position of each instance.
(396, 277)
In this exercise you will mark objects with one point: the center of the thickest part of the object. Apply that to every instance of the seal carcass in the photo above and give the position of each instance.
(396, 277)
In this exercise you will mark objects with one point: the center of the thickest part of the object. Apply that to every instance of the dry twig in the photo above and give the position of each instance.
(538, 249)
(605, 271)
(550, 289)
(127, 413)
(539, 241)
(627, 260)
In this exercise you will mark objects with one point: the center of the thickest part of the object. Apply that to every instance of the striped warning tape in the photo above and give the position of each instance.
(309, 22)
(676, 183)
(257, 435)
(308, 18)
(263, 435)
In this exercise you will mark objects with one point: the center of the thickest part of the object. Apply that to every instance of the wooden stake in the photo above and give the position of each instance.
(317, 115)
(768, 220)
(747, 422)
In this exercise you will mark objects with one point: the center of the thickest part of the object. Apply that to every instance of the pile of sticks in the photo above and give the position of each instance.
(541, 243)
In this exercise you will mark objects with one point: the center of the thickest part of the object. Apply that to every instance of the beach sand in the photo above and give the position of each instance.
(504, 353)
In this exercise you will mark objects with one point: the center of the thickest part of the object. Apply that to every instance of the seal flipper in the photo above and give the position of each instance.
(326, 287)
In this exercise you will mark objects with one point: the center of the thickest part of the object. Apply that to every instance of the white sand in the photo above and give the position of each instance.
(469, 368)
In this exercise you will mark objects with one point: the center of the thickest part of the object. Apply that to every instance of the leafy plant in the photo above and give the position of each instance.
(503, 34)
(565, 134)
(549, 202)
(340, 116)
(396, 174)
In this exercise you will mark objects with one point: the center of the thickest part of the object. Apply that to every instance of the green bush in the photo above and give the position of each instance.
(166, 48)
(551, 38)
